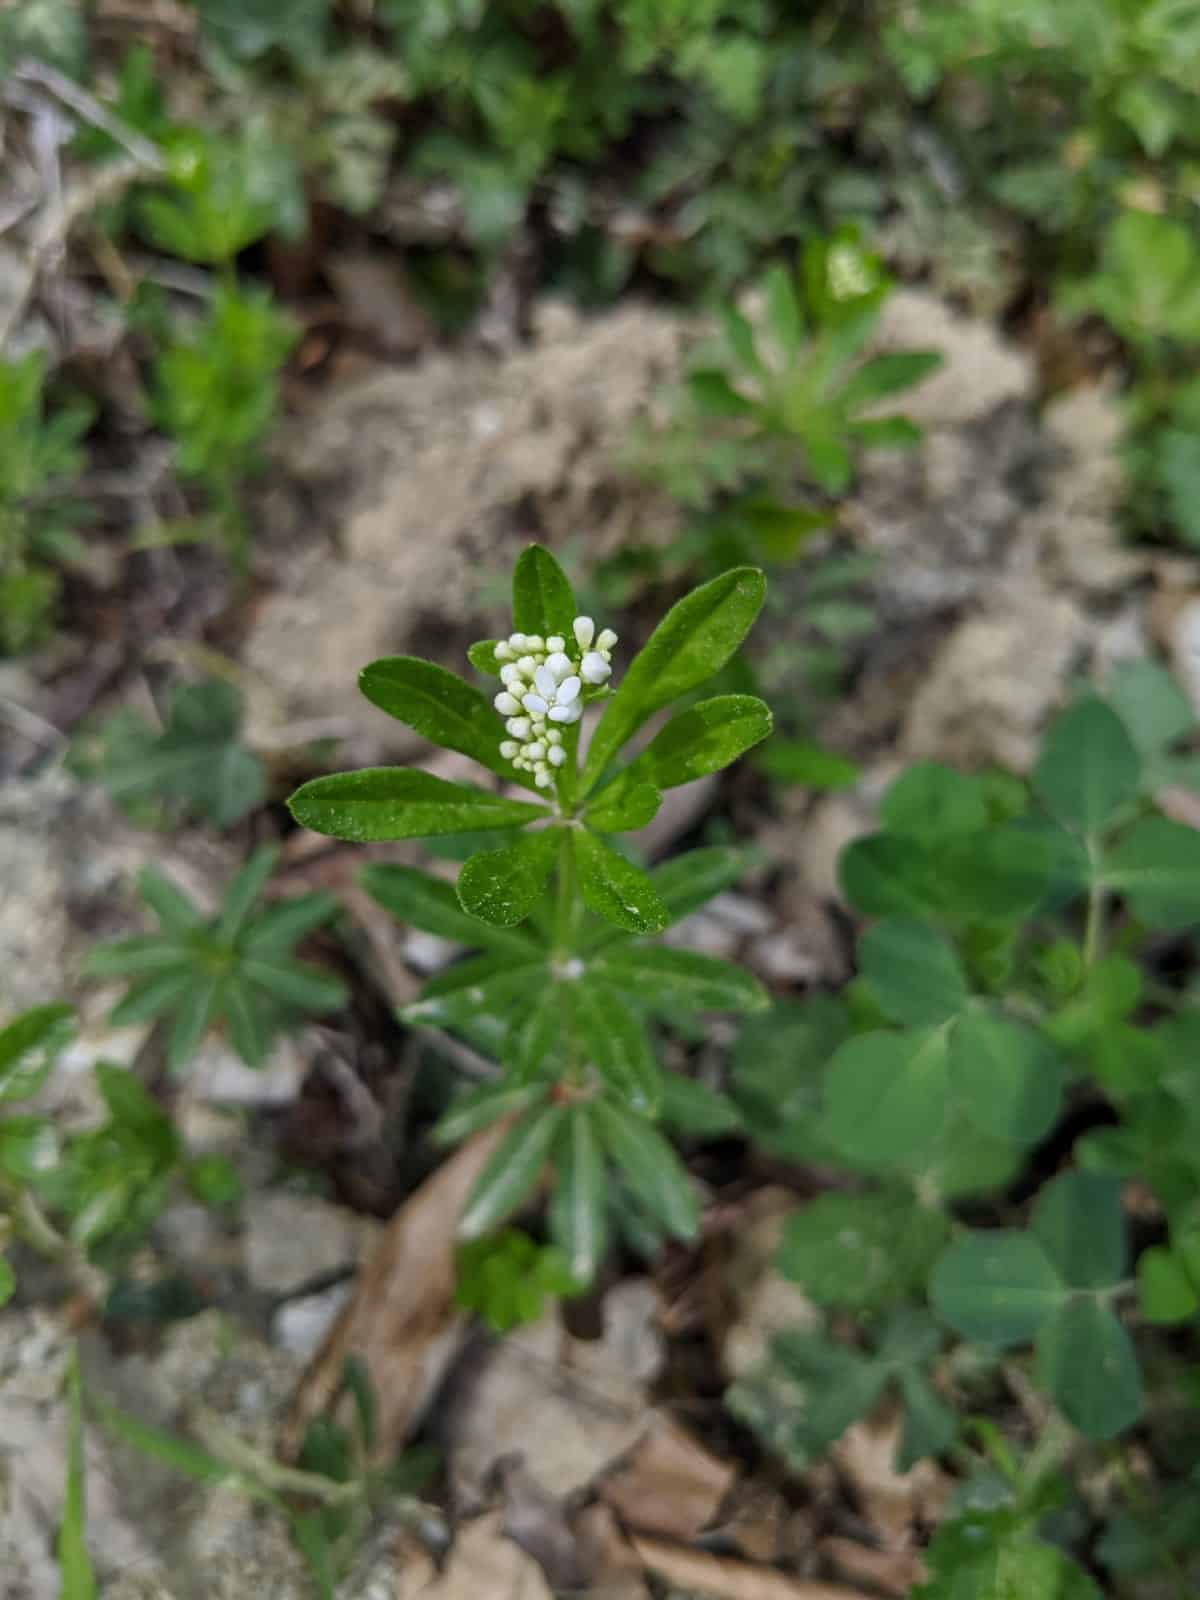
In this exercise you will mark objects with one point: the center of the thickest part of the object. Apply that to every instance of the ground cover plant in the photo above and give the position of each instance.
(977, 1096)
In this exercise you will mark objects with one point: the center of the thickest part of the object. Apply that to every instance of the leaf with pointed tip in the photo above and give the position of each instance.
(542, 599)
(431, 903)
(700, 740)
(501, 887)
(1157, 867)
(512, 1172)
(489, 984)
(615, 1043)
(442, 708)
(278, 929)
(692, 642)
(482, 656)
(168, 902)
(242, 890)
(28, 1047)
(614, 888)
(650, 1167)
(8, 1282)
(680, 979)
(399, 803)
(578, 1216)
(483, 1105)
(624, 806)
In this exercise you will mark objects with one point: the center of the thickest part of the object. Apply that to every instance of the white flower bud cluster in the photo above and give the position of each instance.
(544, 683)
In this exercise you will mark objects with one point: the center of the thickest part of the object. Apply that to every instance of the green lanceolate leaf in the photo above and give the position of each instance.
(997, 1287)
(542, 599)
(784, 317)
(28, 1047)
(1088, 768)
(8, 1282)
(1007, 1077)
(615, 1043)
(502, 887)
(885, 1098)
(243, 890)
(1086, 1361)
(396, 803)
(482, 656)
(538, 1034)
(689, 881)
(700, 740)
(1157, 867)
(483, 1105)
(887, 375)
(650, 1167)
(512, 1172)
(193, 1014)
(614, 888)
(914, 974)
(679, 979)
(441, 708)
(432, 904)
(296, 983)
(579, 1208)
(482, 984)
(624, 806)
(169, 904)
(277, 929)
(74, 1563)
(692, 642)
(1079, 1223)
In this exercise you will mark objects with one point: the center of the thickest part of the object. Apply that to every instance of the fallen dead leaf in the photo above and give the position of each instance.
(892, 1572)
(737, 1580)
(891, 1502)
(669, 1483)
(401, 1322)
(535, 1519)
(567, 1407)
(606, 1556)
(482, 1564)
(764, 1302)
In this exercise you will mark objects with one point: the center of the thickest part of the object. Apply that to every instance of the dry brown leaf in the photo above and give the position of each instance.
(669, 1483)
(401, 1322)
(568, 1407)
(892, 1572)
(737, 1580)
(482, 1565)
(606, 1557)
(891, 1502)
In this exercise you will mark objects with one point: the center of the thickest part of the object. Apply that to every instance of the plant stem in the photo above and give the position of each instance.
(564, 912)
(1093, 935)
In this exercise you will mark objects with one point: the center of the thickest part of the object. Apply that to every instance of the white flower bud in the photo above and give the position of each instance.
(519, 727)
(584, 630)
(503, 650)
(516, 642)
(535, 642)
(553, 736)
(606, 640)
(527, 666)
(556, 755)
(594, 668)
(559, 666)
(509, 675)
(536, 751)
(509, 748)
(542, 778)
(555, 643)
(507, 704)
(568, 690)
(535, 704)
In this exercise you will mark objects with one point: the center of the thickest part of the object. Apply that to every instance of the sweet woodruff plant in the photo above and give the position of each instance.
(567, 985)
